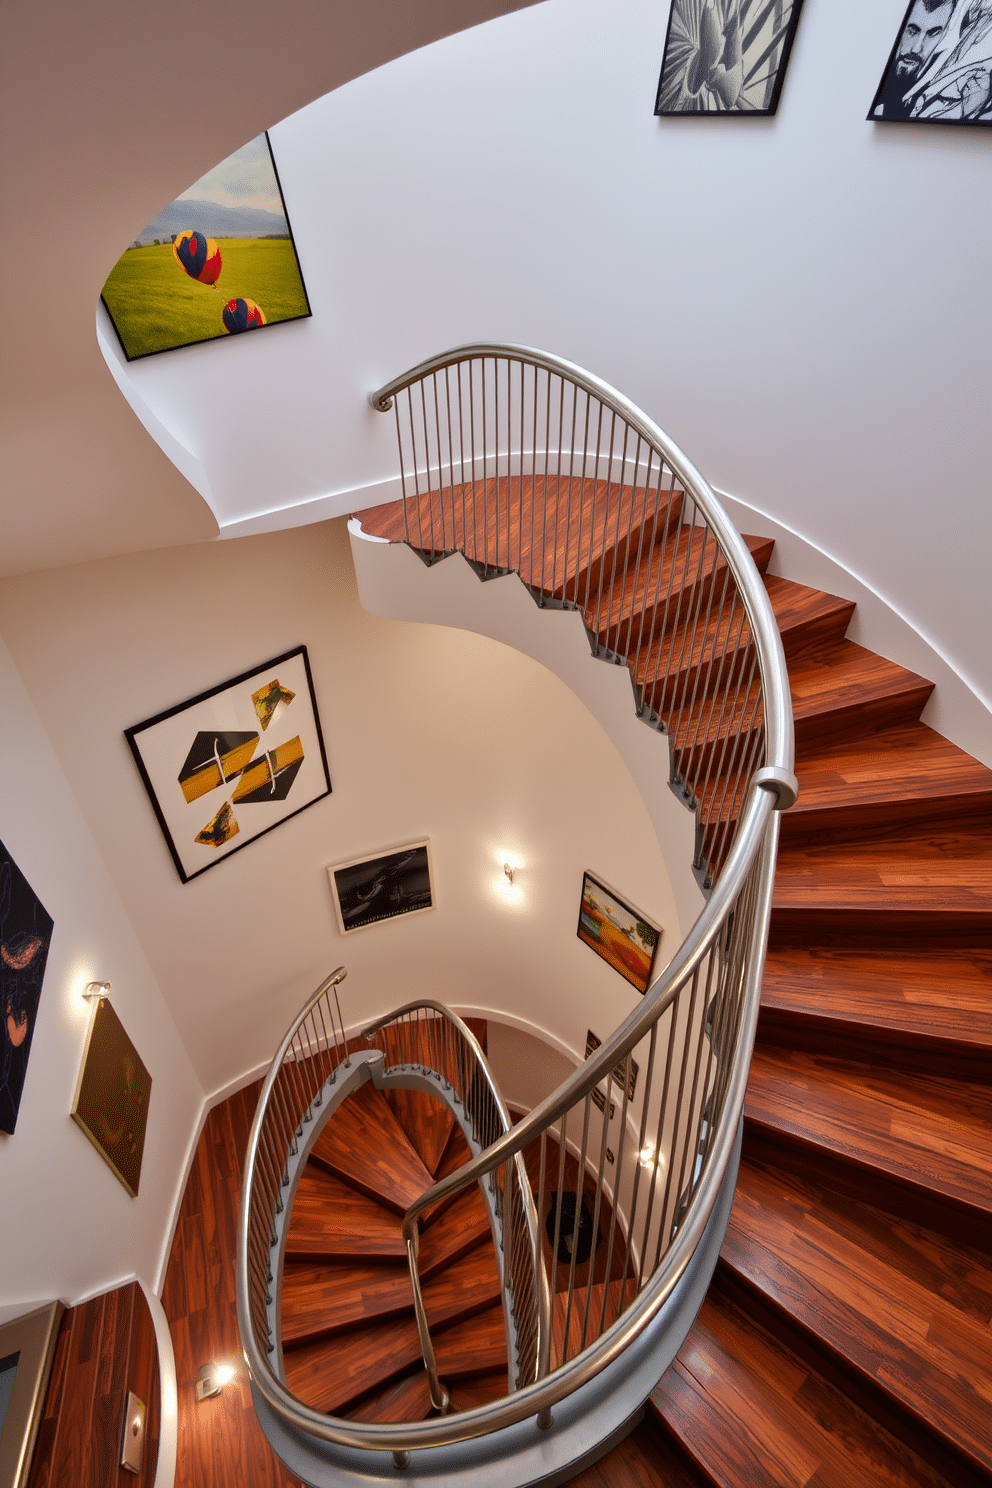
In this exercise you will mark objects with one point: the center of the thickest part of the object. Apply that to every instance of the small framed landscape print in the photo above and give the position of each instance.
(25, 935)
(624, 938)
(232, 763)
(940, 68)
(217, 261)
(726, 56)
(368, 890)
(111, 1102)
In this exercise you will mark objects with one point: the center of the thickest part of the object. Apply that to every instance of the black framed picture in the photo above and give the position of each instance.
(383, 886)
(624, 938)
(726, 56)
(940, 68)
(217, 261)
(25, 936)
(233, 763)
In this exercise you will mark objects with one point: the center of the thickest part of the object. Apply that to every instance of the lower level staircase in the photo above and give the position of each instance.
(847, 1336)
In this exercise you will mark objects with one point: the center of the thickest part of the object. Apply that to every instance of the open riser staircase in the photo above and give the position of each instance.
(846, 1335)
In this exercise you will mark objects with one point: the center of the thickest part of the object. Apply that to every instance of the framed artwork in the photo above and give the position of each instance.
(112, 1096)
(940, 68)
(368, 890)
(621, 935)
(27, 1352)
(231, 764)
(217, 261)
(25, 935)
(726, 56)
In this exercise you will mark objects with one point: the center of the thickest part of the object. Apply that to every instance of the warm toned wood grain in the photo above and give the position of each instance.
(929, 1000)
(330, 1218)
(477, 1346)
(327, 1301)
(364, 1144)
(106, 1347)
(479, 1389)
(574, 1328)
(926, 1131)
(220, 1444)
(747, 1409)
(426, 1121)
(458, 1229)
(407, 1399)
(896, 1304)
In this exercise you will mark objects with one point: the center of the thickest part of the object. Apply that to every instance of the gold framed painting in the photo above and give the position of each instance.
(112, 1096)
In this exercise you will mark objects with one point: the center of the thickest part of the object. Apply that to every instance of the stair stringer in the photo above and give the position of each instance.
(395, 583)
(585, 1426)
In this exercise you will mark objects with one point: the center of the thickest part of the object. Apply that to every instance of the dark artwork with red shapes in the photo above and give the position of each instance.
(25, 935)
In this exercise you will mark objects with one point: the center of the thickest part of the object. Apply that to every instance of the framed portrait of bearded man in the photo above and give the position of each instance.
(940, 68)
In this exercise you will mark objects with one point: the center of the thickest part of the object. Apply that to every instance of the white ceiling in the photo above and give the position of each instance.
(110, 108)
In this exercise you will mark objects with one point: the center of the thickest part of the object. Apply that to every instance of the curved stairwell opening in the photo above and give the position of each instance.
(845, 1336)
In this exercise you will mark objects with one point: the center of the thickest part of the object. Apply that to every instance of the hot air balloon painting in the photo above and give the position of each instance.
(242, 315)
(217, 261)
(199, 256)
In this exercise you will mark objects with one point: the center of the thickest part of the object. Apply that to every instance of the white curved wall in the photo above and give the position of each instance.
(801, 301)
(430, 732)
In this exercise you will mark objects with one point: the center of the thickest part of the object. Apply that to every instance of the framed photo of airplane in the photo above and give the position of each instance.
(382, 886)
(228, 765)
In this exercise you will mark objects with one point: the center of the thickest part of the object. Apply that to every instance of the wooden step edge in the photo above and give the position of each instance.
(949, 1215)
(812, 818)
(869, 925)
(926, 1438)
(922, 1045)
(347, 1248)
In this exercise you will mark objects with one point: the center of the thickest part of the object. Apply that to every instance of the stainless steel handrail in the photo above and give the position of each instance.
(708, 995)
(455, 1056)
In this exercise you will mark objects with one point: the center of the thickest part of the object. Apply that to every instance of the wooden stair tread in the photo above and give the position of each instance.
(477, 1346)
(894, 1303)
(925, 1130)
(461, 1225)
(365, 1145)
(480, 1389)
(747, 1410)
(564, 1345)
(806, 616)
(407, 1399)
(330, 1374)
(426, 1121)
(331, 1219)
(932, 997)
(333, 1371)
(849, 683)
(926, 869)
(909, 766)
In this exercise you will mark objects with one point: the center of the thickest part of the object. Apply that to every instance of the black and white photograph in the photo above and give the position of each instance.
(231, 764)
(940, 68)
(380, 887)
(726, 56)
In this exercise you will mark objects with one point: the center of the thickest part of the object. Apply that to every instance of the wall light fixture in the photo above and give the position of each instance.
(212, 1378)
(96, 991)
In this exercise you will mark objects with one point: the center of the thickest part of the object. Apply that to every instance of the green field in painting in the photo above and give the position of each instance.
(155, 305)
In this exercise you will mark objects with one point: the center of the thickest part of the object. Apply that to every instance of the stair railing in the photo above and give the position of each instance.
(313, 1050)
(427, 1036)
(527, 464)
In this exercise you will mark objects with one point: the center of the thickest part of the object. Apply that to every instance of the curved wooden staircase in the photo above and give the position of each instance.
(846, 1338)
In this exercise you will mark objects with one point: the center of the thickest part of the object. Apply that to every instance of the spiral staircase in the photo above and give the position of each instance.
(845, 1335)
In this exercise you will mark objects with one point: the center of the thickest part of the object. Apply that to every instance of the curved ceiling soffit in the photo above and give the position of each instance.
(108, 113)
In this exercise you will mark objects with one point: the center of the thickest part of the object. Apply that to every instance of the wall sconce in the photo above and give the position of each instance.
(96, 991)
(212, 1378)
(508, 870)
(648, 1158)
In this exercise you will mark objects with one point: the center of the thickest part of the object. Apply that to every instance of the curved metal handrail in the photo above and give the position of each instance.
(713, 983)
(486, 1110)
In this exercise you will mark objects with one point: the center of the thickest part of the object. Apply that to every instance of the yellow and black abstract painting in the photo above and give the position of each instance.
(232, 763)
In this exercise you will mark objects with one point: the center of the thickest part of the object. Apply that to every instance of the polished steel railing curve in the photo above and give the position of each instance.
(428, 1036)
(527, 464)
